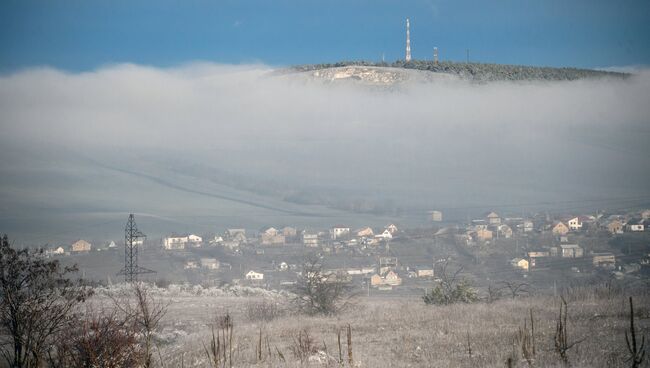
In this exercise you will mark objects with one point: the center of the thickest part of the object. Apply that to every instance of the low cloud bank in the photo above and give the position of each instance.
(446, 144)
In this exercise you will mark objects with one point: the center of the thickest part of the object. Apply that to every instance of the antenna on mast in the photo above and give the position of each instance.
(408, 41)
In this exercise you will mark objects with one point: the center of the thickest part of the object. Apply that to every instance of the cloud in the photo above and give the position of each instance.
(249, 129)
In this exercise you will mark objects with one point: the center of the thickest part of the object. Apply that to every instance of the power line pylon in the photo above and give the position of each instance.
(132, 238)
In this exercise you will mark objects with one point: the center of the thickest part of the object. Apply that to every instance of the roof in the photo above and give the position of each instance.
(569, 246)
(340, 227)
(492, 215)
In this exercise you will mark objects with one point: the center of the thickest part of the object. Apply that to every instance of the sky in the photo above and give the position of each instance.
(80, 35)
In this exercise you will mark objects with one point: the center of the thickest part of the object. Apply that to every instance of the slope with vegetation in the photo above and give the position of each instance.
(479, 72)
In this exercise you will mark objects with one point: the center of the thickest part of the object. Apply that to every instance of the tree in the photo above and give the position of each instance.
(319, 292)
(451, 288)
(37, 300)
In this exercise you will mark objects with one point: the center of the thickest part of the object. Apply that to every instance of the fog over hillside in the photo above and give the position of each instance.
(204, 146)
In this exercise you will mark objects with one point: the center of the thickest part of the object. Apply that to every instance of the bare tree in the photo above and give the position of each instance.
(320, 292)
(515, 288)
(37, 300)
(144, 313)
(99, 339)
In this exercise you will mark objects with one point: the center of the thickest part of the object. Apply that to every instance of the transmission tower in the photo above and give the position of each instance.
(132, 238)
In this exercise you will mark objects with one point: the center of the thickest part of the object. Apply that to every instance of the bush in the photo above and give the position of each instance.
(463, 292)
(264, 310)
(451, 288)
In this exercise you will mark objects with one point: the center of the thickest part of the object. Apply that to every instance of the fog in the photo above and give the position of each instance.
(204, 146)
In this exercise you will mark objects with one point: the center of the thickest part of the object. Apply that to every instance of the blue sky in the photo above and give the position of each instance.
(85, 34)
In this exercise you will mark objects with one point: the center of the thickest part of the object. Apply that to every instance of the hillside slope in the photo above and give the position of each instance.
(478, 72)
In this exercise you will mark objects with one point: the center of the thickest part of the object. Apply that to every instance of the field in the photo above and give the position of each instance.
(392, 332)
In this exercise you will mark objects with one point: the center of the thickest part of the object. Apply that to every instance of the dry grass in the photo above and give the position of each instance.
(407, 333)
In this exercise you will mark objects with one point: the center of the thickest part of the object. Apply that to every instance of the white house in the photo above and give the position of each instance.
(310, 240)
(195, 240)
(210, 263)
(493, 218)
(174, 242)
(386, 235)
(252, 275)
(635, 225)
(436, 216)
(392, 229)
(339, 231)
(181, 241)
(575, 223)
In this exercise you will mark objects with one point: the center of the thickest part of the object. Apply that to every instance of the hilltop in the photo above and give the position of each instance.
(478, 72)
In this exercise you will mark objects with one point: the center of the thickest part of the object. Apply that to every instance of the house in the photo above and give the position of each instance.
(191, 265)
(230, 244)
(392, 279)
(55, 251)
(392, 229)
(81, 246)
(493, 219)
(635, 225)
(385, 235)
(559, 228)
(519, 263)
(310, 240)
(504, 231)
(376, 280)
(272, 236)
(216, 240)
(575, 223)
(181, 241)
(604, 260)
(484, 235)
(645, 214)
(538, 254)
(571, 251)
(210, 263)
(615, 227)
(364, 232)
(252, 275)
(174, 242)
(194, 240)
(289, 232)
(425, 272)
(525, 226)
(270, 231)
(339, 231)
(360, 271)
(112, 245)
(436, 216)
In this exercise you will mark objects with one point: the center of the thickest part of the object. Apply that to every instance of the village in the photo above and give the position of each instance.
(540, 252)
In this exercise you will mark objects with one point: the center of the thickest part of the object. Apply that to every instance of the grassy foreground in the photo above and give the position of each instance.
(406, 333)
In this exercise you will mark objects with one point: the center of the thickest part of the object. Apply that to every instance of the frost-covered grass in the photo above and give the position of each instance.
(398, 332)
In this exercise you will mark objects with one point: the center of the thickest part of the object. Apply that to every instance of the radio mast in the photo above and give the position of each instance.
(408, 41)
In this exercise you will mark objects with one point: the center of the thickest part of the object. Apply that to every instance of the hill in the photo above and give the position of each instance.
(478, 72)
